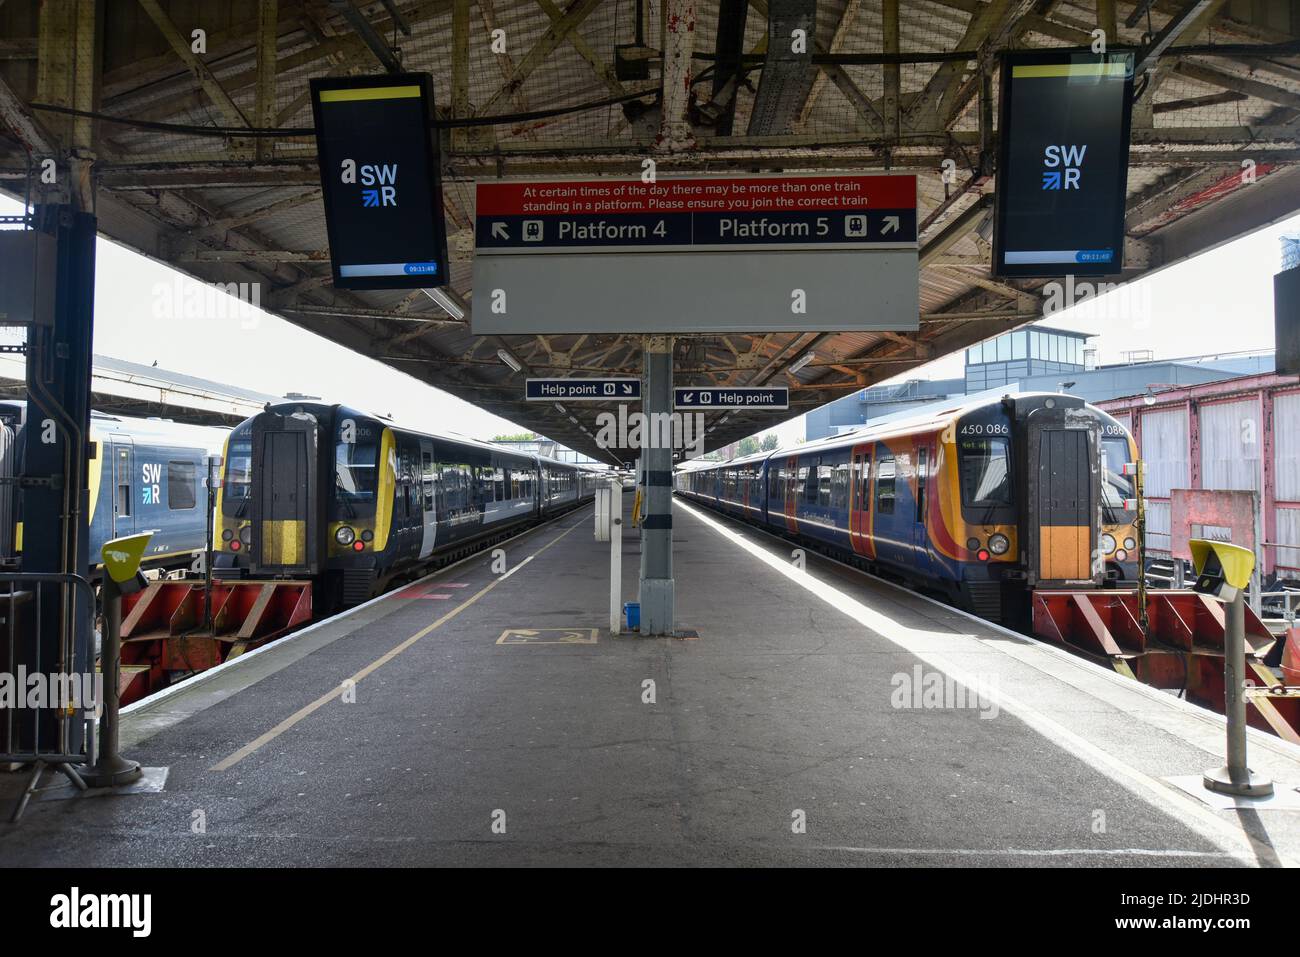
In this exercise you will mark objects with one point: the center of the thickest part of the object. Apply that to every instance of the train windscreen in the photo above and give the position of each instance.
(985, 472)
(238, 484)
(356, 473)
(1115, 486)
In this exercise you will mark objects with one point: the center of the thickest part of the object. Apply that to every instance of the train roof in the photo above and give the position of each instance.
(211, 439)
(935, 416)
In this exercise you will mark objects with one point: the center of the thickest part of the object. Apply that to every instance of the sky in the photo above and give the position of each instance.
(1221, 301)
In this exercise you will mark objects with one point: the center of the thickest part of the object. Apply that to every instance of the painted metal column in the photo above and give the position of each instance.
(657, 586)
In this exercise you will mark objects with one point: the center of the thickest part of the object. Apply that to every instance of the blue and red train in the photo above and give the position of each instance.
(977, 503)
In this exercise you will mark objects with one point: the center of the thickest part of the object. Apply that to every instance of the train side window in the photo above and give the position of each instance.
(921, 456)
(426, 474)
(181, 485)
(840, 486)
(824, 485)
(123, 478)
(864, 489)
(885, 486)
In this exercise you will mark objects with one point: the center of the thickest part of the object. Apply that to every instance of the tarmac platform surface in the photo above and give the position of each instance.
(821, 717)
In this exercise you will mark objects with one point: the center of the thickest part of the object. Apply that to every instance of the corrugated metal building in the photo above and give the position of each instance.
(1242, 434)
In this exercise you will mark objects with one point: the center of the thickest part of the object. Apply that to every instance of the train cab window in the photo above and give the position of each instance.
(1115, 486)
(181, 485)
(985, 472)
(885, 486)
(238, 483)
(356, 472)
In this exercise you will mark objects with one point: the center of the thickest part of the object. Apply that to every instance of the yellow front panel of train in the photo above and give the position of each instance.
(1065, 552)
(284, 543)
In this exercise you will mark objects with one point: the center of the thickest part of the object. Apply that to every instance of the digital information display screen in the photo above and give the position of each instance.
(380, 177)
(1063, 163)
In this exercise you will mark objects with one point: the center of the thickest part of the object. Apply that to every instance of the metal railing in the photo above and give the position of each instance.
(23, 605)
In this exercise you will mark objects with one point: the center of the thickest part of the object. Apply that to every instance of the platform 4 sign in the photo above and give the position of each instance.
(774, 212)
(579, 390)
(732, 399)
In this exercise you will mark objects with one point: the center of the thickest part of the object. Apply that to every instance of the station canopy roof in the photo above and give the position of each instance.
(158, 126)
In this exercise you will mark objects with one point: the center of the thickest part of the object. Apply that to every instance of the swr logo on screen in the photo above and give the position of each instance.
(381, 179)
(1071, 158)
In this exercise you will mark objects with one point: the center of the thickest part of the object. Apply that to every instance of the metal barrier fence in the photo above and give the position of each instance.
(26, 734)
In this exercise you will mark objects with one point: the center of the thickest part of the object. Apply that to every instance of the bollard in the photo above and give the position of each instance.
(122, 576)
(1224, 570)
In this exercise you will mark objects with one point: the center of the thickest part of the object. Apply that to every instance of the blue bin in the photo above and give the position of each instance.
(632, 614)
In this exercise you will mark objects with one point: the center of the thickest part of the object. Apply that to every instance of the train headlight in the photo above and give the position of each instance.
(1121, 556)
(345, 535)
(1107, 543)
(246, 534)
(999, 543)
(1130, 544)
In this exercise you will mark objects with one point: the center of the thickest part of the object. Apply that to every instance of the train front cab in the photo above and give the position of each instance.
(1054, 444)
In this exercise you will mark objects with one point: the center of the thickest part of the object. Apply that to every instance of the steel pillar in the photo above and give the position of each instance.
(657, 594)
(55, 500)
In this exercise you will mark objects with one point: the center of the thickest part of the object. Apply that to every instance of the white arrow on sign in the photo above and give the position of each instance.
(499, 231)
(688, 397)
(892, 225)
(627, 388)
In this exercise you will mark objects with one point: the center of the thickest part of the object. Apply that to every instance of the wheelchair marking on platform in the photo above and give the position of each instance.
(548, 636)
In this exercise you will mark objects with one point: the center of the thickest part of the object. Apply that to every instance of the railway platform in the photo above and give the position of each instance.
(812, 716)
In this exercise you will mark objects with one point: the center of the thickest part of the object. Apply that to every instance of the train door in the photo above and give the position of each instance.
(1062, 503)
(426, 499)
(793, 489)
(123, 498)
(920, 531)
(283, 506)
(860, 502)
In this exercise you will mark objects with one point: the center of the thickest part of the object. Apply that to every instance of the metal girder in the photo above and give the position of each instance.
(1171, 31)
(15, 116)
(842, 29)
(555, 34)
(935, 100)
(210, 84)
(679, 45)
(268, 32)
(1237, 84)
(787, 75)
(371, 37)
(584, 50)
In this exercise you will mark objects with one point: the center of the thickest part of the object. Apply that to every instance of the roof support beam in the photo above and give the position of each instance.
(268, 32)
(368, 34)
(211, 86)
(575, 13)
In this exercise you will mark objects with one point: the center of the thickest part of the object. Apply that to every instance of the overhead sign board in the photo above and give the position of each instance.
(704, 254)
(579, 390)
(1063, 163)
(380, 180)
(789, 212)
(731, 398)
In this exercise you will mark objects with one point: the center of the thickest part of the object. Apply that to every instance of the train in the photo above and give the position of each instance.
(355, 503)
(976, 503)
(144, 475)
